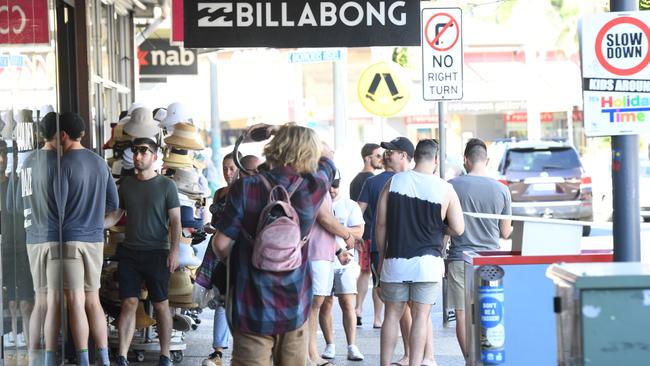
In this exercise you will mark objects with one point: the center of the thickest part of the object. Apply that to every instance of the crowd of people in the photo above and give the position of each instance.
(284, 241)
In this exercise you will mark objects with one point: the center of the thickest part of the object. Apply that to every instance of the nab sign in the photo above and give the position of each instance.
(301, 23)
(442, 54)
(158, 58)
(616, 73)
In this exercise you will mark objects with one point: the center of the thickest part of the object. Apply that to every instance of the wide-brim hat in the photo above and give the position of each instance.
(24, 116)
(117, 135)
(116, 168)
(142, 319)
(180, 284)
(142, 125)
(187, 181)
(9, 125)
(185, 136)
(114, 239)
(176, 113)
(178, 158)
(182, 301)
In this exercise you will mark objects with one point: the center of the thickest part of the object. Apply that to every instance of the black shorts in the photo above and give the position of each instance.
(374, 268)
(134, 266)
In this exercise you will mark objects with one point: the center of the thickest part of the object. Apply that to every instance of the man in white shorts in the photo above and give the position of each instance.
(349, 215)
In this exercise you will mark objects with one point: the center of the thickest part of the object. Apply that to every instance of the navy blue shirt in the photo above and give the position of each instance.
(40, 202)
(370, 195)
(88, 193)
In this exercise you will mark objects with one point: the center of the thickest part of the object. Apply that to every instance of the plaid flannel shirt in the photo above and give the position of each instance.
(269, 303)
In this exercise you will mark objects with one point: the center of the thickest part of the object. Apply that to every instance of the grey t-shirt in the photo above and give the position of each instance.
(147, 204)
(88, 192)
(481, 195)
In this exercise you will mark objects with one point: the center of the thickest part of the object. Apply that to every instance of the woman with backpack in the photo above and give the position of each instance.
(272, 292)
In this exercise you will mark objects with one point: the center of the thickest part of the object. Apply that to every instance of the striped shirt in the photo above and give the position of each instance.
(414, 228)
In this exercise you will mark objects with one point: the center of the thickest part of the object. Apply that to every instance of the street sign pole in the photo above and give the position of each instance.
(625, 182)
(442, 134)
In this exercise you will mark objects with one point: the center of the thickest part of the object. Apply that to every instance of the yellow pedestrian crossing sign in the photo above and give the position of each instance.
(381, 91)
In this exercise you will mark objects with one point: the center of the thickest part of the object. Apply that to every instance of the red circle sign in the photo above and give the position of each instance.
(599, 46)
(448, 24)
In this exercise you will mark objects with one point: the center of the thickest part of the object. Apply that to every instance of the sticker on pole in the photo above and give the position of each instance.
(381, 91)
(442, 54)
(616, 73)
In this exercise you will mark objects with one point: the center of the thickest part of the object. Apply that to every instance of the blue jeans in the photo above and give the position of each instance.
(221, 336)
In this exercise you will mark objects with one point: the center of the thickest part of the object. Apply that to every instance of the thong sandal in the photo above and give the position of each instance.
(325, 363)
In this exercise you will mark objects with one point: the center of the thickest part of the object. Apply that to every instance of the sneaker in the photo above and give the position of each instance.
(329, 353)
(354, 354)
(164, 361)
(121, 361)
(215, 359)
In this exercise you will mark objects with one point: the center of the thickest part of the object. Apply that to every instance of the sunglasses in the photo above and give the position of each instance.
(336, 183)
(141, 150)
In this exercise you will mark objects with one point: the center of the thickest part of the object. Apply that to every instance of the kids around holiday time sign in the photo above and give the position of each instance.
(615, 73)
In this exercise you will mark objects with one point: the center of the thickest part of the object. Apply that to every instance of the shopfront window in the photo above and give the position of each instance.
(29, 175)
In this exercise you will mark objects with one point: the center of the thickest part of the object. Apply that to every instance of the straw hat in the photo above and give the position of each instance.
(117, 135)
(118, 229)
(176, 113)
(142, 124)
(185, 136)
(178, 158)
(142, 319)
(187, 181)
(180, 284)
(135, 106)
(183, 302)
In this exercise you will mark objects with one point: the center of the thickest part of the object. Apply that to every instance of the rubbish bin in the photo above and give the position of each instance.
(603, 313)
(528, 319)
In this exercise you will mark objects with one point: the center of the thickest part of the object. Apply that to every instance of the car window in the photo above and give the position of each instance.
(541, 160)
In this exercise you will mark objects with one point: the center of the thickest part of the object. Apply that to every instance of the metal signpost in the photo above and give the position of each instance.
(615, 57)
(442, 63)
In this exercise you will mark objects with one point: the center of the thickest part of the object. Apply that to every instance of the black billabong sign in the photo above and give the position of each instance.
(157, 57)
(301, 23)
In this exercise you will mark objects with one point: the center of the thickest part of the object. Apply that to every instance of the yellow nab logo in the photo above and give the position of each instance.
(381, 91)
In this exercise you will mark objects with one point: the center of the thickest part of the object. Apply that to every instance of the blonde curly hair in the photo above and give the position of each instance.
(295, 146)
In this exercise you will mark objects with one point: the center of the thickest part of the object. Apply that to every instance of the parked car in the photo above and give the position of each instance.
(546, 179)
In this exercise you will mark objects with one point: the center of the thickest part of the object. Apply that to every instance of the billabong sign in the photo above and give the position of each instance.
(306, 23)
(158, 57)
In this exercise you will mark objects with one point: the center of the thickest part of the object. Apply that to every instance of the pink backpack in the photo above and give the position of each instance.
(277, 245)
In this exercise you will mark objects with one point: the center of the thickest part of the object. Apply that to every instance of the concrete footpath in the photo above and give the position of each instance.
(446, 348)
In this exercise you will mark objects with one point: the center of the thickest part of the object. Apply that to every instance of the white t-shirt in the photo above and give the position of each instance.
(349, 214)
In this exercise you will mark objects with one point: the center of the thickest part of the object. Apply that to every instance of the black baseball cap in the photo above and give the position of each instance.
(400, 144)
(48, 126)
(72, 124)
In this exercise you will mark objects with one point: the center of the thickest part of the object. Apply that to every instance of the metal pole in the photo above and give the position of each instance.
(215, 123)
(340, 99)
(442, 139)
(625, 182)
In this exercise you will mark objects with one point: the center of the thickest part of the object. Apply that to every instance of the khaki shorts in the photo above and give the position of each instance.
(420, 292)
(82, 265)
(286, 349)
(456, 285)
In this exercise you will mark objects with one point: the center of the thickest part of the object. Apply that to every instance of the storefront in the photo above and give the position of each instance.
(55, 55)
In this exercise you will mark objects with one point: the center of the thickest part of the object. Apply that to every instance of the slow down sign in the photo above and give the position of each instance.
(616, 76)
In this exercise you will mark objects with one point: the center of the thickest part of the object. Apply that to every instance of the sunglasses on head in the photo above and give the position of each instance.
(336, 183)
(141, 150)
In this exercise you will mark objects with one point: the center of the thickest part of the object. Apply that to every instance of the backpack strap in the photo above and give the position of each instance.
(294, 187)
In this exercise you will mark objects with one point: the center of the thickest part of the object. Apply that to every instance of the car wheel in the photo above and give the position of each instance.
(586, 230)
